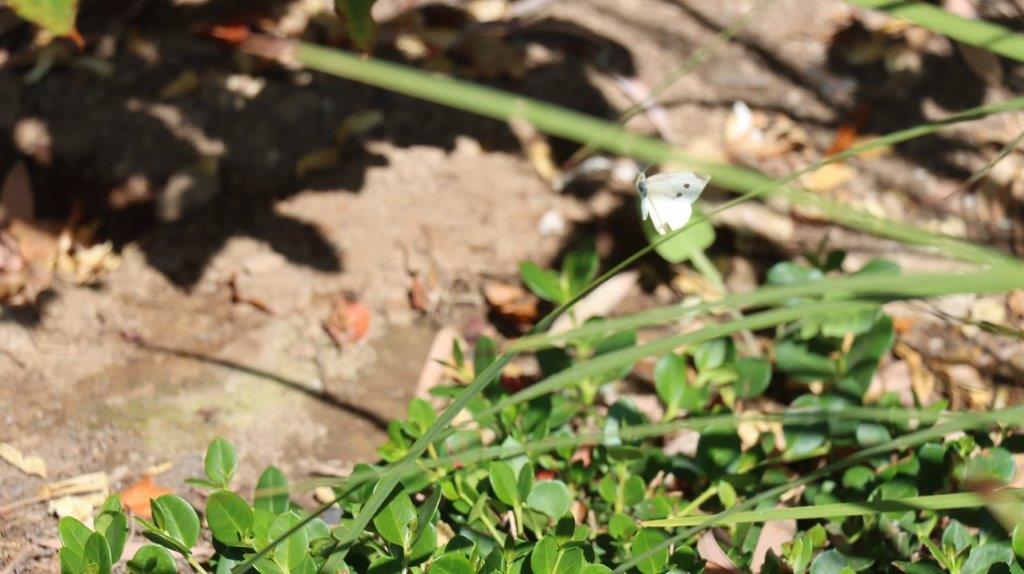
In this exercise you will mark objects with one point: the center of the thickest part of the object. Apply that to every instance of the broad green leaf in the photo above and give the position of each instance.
(633, 490)
(113, 525)
(871, 434)
(359, 24)
(394, 520)
(544, 558)
(550, 497)
(1017, 541)
(503, 483)
(646, 540)
(451, 563)
(995, 465)
(803, 438)
(152, 559)
(221, 462)
(73, 534)
(96, 555)
(421, 415)
(425, 515)
(70, 562)
(272, 478)
(754, 376)
(983, 558)
(621, 526)
(712, 354)
(681, 247)
(175, 516)
(424, 545)
(225, 565)
(829, 562)
(797, 359)
(917, 567)
(596, 569)
(957, 537)
(524, 482)
(230, 517)
(543, 282)
(56, 16)
(789, 273)
(294, 550)
(858, 477)
(670, 380)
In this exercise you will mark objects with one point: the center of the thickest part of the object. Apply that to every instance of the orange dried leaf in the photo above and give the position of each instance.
(137, 496)
(349, 321)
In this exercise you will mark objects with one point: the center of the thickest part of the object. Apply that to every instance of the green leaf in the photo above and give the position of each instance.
(696, 238)
(73, 534)
(983, 558)
(670, 380)
(789, 273)
(423, 545)
(176, 518)
(797, 359)
(152, 559)
(803, 438)
(646, 540)
(421, 415)
(272, 478)
(221, 462)
(917, 567)
(425, 515)
(634, 489)
(484, 353)
(56, 16)
(621, 526)
(230, 518)
(503, 483)
(550, 497)
(113, 525)
(524, 483)
(544, 558)
(451, 563)
(754, 377)
(596, 569)
(995, 465)
(543, 282)
(358, 21)
(580, 268)
(393, 522)
(70, 562)
(712, 354)
(829, 562)
(96, 555)
(872, 434)
(957, 537)
(1017, 540)
(858, 477)
(294, 550)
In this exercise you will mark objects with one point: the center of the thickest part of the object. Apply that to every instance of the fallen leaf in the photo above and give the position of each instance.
(774, 534)
(849, 131)
(79, 506)
(600, 301)
(433, 372)
(922, 380)
(28, 464)
(233, 34)
(537, 149)
(967, 388)
(829, 177)
(718, 561)
(512, 302)
(349, 321)
(137, 496)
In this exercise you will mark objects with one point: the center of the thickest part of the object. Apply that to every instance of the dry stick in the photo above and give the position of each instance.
(976, 176)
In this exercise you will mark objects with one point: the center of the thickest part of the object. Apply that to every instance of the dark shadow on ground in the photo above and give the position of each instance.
(184, 174)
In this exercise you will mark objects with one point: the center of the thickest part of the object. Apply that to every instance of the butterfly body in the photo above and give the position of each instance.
(667, 198)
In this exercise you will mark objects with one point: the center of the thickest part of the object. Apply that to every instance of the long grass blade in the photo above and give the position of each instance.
(842, 509)
(979, 33)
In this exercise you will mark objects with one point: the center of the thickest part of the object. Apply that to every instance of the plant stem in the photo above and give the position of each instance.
(195, 565)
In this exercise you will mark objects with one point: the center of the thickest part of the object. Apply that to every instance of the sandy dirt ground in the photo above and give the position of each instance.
(154, 361)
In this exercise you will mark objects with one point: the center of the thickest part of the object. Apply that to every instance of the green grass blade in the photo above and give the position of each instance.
(994, 280)
(841, 509)
(572, 125)
(978, 33)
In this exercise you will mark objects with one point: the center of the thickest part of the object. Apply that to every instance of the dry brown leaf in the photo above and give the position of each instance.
(512, 302)
(600, 301)
(717, 560)
(137, 496)
(433, 372)
(758, 135)
(78, 506)
(922, 381)
(537, 149)
(829, 177)
(28, 464)
(774, 534)
(349, 321)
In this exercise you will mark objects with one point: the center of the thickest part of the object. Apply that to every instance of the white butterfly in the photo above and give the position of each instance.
(667, 198)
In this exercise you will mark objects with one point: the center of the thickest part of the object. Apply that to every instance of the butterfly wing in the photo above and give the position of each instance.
(668, 213)
(684, 185)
